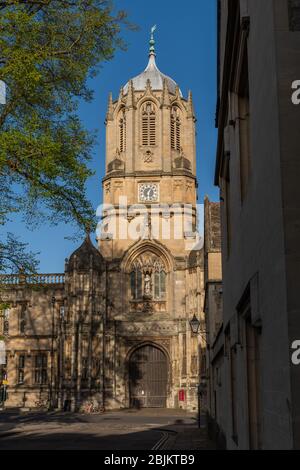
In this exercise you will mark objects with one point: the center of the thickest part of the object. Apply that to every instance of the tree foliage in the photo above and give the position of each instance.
(48, 51)
(14, 256)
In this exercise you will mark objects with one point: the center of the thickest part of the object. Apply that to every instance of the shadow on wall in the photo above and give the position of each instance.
(215, 433)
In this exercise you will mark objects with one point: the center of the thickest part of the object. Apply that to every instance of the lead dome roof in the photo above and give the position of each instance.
(155, 76)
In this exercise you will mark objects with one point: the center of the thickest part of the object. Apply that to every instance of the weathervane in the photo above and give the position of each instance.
(152, 40)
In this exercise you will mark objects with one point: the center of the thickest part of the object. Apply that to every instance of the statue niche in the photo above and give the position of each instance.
(147, 285)
(147, 282)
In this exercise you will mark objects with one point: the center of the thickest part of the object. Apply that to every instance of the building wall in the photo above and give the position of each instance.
(164, 323)
(288, 70)
(87, 322)
(255, 224)
(130, 325)
(214, 323)
(33, 307)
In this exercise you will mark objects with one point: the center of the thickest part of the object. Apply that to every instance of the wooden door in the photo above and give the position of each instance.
(148, 376)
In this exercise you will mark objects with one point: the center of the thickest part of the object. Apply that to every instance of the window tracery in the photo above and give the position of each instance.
(148, 278)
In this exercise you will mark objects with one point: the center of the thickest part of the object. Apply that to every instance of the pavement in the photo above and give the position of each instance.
(146, 429)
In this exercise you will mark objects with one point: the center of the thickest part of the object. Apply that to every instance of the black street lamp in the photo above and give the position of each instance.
(195, 325)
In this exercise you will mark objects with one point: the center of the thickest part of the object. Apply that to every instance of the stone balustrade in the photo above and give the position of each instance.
(32, 279)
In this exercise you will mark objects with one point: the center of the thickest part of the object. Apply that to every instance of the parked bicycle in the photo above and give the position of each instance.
(41, 404)
(92, 407)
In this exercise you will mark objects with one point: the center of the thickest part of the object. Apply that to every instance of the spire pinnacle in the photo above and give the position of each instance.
(191, 112)
(110, 108)
(152, 41)
(130, 96)
(166, 96)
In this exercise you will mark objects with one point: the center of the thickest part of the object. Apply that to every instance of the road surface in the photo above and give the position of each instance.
(120, 430)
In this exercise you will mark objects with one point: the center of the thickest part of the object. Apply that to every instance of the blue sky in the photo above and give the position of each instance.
(186, 51)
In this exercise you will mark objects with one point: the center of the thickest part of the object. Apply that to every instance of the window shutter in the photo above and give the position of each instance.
(175, 130)
(122, 132)
(145, 130)
(178, 143)
(172, 132)
(148, 125)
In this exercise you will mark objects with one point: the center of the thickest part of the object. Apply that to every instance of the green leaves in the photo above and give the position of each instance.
(14, 256)
(48, 50)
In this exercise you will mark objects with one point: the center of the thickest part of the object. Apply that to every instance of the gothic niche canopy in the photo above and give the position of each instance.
(148, 279)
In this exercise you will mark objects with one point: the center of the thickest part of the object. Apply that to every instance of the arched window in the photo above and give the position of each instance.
(136, 283)
(148, 125)
(122, 131)
(23, 320)
(159, 285)
(148, 278)
(5, 327)
(175, 129)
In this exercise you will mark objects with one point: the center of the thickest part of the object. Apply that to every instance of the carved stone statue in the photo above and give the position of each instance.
(147, 284)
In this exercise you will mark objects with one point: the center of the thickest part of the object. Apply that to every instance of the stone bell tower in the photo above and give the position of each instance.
(150, 160)
(149, 242)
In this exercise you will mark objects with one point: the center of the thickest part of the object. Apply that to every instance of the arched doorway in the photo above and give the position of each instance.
(148, 377)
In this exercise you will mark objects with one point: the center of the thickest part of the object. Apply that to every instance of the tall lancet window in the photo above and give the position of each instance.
(136, 283)
(159, 284)
(175, 129)
(148, 125)
(122, 131)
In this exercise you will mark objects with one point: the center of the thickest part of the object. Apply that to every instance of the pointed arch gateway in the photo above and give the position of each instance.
(148, 372)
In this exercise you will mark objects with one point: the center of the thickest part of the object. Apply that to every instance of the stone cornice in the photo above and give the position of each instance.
(138, 174)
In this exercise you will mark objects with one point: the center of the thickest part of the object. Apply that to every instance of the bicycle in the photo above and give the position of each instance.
(91, 407)
(40, 404)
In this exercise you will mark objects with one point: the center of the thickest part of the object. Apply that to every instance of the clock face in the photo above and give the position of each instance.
(148, 192)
